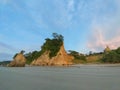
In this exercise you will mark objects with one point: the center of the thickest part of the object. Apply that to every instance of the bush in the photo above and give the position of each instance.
(112, 57)
(77, 56)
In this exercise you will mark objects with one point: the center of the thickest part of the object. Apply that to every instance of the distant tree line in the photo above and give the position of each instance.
(4, 63)
(77, 55)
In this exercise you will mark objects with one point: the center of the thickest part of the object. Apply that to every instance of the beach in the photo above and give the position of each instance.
(97, 65)
(79, 77)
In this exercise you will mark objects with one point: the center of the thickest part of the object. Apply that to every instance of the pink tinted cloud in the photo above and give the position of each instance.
(99, 40)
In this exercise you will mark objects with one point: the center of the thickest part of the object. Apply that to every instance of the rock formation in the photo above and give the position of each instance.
(19, 61)
(107, 49)
(62, 58)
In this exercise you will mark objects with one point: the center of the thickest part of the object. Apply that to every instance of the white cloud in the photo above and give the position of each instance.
(6, 47)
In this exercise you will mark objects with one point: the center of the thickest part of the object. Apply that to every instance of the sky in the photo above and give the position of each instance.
(87, 25)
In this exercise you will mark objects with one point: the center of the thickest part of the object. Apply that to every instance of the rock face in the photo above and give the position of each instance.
(62, 58)
(19, 61)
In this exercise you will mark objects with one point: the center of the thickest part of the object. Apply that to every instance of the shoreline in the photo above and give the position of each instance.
(102, 65)
(80, 65)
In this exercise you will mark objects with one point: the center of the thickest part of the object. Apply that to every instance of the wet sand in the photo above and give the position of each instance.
(82, 77)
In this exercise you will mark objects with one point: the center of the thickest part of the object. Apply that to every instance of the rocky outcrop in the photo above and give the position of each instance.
(19, 61)
(62, 58)
(107, 49)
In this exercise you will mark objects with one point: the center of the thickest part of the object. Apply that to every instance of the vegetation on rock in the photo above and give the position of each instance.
(51, 45)
(22, 52)
(19, 60)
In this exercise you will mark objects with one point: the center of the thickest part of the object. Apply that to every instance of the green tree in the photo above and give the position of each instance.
(77, 55)
(58, 36)
(22, 51)
(15, 55)
(112, 57)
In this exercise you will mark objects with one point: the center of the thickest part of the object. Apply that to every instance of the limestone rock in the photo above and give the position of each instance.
(62, 58)
(19, 61)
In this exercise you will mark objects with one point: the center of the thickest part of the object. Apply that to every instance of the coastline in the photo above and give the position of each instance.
(80, 65)
(101, 65)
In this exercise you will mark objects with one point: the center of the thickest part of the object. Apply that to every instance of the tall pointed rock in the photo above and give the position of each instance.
(62, 58)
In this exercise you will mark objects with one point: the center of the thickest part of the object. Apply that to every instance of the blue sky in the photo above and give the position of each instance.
(87, 25)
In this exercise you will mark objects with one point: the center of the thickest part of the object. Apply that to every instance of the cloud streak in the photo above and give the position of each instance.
(103, 36)
(6, 46)
(5, 56)
(98, 41)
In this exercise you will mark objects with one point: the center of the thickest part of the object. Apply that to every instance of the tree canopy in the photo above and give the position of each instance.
(77, 55)
(112, 57)
(52, 45)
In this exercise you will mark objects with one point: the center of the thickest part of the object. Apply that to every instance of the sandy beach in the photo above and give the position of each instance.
(78, 77)
(99, 65)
